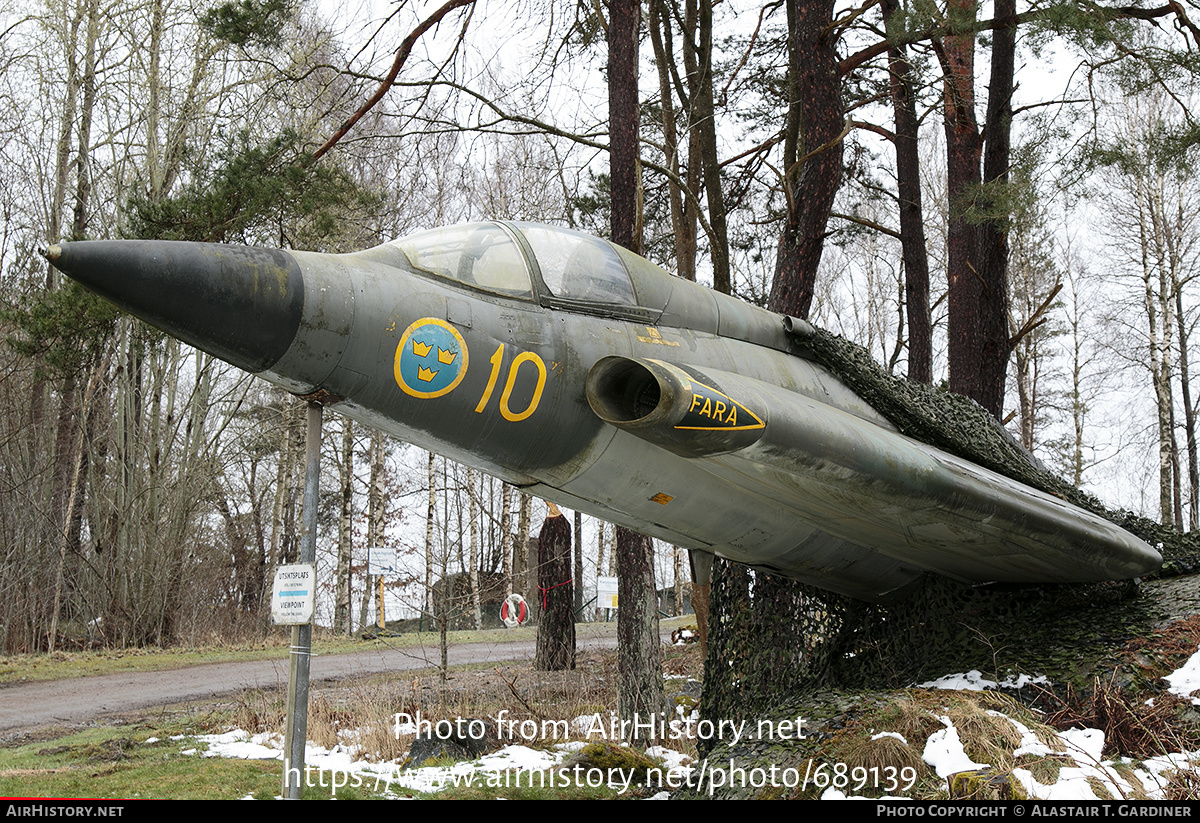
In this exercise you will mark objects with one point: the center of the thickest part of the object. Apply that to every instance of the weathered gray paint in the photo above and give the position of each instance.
(825, 490)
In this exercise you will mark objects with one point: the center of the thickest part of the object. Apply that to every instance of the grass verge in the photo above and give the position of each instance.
(156, 755)
(27, 668)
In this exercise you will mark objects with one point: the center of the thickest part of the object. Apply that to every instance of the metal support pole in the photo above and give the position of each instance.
(297, 708)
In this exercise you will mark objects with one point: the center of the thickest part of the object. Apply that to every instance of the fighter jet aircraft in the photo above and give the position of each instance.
(590, 377)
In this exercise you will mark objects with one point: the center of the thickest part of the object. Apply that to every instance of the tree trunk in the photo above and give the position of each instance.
(473, 571)
(1160, 372)
(977, 245)
(376, 511)
(83, 179)
(1026, 391)
(993, 309)
(677, 576)
(683, 212)
(341, 609)
(964, 149)
(1189, 411)
(578, 562)
(702, 570)
(522, 565)
(506, 560)
(623, 123)
(556, 631)
(431, 479)
(703, 161)
(599, 564)
(639, 650)
(912, 217)
(1078, 406)
(639, 656)
(812, 154)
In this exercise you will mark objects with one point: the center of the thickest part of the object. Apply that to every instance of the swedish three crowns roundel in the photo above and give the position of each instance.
(431, 359)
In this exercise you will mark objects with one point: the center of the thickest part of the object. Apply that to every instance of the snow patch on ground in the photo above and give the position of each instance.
(943, 750)
(974, 681)
(1186, 679)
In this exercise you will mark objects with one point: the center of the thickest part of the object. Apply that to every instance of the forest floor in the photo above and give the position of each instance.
(1133, 738)
(152, 752)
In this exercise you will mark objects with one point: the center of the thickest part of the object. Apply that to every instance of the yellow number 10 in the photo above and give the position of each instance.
(523, 357)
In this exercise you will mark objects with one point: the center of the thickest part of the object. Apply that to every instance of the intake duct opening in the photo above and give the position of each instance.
(622, 390)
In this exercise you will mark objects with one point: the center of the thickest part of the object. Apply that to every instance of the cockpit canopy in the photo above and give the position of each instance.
(570, 271)
(509, 259)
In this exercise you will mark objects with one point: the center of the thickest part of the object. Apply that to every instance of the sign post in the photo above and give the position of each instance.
(293, 595)
(297, 702)
(381, 562)
(606, 592)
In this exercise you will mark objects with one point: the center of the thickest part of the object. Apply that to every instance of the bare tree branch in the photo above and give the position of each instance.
(943, 28)
(401, 56)
(1036, 318)
(541, 126)
(862, 221)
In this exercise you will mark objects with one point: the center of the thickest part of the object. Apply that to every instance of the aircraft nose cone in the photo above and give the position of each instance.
(239, 303)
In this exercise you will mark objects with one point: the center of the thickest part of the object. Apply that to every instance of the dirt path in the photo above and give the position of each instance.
(79, 699)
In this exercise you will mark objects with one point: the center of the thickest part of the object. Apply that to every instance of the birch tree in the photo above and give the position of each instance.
(1151, 206)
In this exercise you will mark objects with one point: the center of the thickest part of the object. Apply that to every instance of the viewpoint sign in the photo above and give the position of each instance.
(606, 592)
(293, 595)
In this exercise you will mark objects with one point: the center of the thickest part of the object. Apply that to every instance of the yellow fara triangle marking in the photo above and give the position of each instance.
(426, 374)
(446, 357)
(421, 349)
(712, 410)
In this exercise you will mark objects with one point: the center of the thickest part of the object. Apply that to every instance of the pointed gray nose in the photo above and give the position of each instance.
(239, 303)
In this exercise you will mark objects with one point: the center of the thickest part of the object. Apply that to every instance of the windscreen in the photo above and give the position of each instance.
(578, 266)
(480, 255)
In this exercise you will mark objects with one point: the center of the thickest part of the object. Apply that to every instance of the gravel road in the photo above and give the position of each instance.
(25, 706)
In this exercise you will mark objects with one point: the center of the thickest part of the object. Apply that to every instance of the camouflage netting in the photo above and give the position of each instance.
(960, 426)
(772, 640)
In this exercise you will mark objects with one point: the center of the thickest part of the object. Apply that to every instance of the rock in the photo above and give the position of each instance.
(461, 739)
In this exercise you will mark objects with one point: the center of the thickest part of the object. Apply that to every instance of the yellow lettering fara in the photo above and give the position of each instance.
(732, 419)
(707, 410)
(719, 410)
(696, 398)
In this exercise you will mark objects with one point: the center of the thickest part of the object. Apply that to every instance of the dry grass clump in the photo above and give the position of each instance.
(260, 710)
(986, 737)
(909, 717)
(880, 753)
(865, 749)
(1034, 720)
(992, 739)
(1132, 726)
(985, 730)
(1161, 651)
(1183, 784)
(364, 715)
(363, 719)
